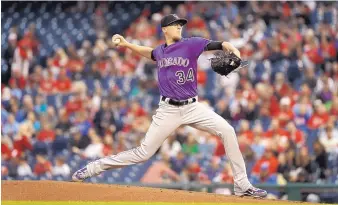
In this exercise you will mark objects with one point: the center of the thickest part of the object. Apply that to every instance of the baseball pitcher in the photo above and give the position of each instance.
(178, 105)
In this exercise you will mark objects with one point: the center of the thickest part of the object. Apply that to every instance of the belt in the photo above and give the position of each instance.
(178, 103)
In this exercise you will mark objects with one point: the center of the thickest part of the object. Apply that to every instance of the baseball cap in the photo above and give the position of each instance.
(172, 18)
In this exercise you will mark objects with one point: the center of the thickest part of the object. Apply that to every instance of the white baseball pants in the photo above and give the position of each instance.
(166, 120)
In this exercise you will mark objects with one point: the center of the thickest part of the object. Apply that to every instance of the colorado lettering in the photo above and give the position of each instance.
(179, 61)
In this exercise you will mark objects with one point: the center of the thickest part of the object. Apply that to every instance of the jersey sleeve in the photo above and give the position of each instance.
(198, 45)
(155, 53)
(152, 55)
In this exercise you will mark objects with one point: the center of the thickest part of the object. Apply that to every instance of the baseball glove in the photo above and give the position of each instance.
(224, 63)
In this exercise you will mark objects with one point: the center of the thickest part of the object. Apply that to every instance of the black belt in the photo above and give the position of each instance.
(178, 103)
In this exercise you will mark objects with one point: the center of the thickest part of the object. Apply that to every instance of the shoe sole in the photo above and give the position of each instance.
(254, 197)
(76, 180)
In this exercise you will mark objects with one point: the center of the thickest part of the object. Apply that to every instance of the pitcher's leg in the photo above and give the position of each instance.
(202, 118)
(164, 122)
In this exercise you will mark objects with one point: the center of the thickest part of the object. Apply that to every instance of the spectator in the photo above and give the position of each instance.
(302, 112)
(104, 119)
(22, 140)
(82, 122)
(310, 78)
(51, 116)
(42, 166)
(61, 168)
(285, 114)
(304, 161)
(77, 140)
(264, 176)
(295, 135)
(275, 130)
(47, 134)
(191, 146)
(269, 158)
(63, 84)
(24, 169)
(329, 138)
(47, 84)
(246, 132)
(160, 172)
(179, 162)
(63, 125)
(258, 143)
(6, 145)
(108, 143)
(12, 44)
(281, 86)
(321, 158)
(40, 105)
(194, 170)
(11, 127)
(212, 170)
(95, 148)
(284, 167)
(325, 94)
(171, 146)
(225, 176)
(319, 117)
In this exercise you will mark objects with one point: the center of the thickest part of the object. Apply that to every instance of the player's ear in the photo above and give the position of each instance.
(164, 29)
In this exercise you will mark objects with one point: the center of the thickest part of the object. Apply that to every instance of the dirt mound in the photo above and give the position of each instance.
(68, 191)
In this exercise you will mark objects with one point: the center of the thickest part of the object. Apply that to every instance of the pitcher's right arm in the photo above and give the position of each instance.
(145, 51)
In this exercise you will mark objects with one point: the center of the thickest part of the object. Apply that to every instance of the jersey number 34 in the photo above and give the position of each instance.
(182, 78)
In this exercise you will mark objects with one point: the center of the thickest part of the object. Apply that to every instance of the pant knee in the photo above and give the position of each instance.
(145, 154)
(226, 129)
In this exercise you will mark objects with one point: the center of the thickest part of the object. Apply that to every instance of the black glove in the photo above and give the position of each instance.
(224, 63)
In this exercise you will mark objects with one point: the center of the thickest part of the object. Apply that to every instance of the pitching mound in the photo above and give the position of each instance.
(53, 191)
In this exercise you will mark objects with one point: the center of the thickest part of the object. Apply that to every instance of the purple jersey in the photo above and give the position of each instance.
(177, 67)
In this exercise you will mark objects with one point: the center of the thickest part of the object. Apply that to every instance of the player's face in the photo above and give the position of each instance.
(174, 31)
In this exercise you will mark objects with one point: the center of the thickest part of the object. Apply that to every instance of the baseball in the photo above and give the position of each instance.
(117, 41)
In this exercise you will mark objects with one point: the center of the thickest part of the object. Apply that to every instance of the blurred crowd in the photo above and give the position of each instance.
(95, 100)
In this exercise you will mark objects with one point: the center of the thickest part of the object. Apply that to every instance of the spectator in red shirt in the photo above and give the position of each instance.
(74, 63)
(47, 85)
(196, 23)
(108, 144)
(36, 77)
(246, 132)
(328, 46)
(320, 116)
(285, 114)
(18, 79)
(42, 166)
(297, 136)
(226, 176)
(46, 133)
(269, 102)
(281, 86)
(311, 48)
(269, 158)
(63, 84)
(5, 148)
(22, 141)
(275, 130)
(137, 110)
(74, 104)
